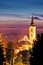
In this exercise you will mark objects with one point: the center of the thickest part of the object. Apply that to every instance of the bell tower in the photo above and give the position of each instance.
(32, 31)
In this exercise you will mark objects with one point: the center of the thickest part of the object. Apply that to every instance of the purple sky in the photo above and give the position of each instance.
(15, 16)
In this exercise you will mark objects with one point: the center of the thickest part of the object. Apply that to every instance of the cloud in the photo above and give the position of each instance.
(40, 15)
(14, 15)
(37, 18)
(17, 17)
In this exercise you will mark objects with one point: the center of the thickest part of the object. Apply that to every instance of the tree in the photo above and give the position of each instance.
(37, 54)
(24, 56)
(2, 59)
(10, 52)
(18, 57)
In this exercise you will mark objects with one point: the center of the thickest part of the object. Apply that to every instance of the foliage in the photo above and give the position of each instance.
(37, 54)
(18, 57)
(2, 59)
(24, 56)
(9, 51)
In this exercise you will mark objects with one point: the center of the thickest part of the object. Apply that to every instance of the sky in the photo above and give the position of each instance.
(15, 12)
(23, 7)
(20, 9)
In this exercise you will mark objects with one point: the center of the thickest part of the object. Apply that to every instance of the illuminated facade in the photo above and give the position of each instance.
(32, 31)
(25, 38)
(32, 36)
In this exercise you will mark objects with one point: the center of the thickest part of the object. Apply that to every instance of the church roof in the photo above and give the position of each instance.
(32, 21)
(25, 38)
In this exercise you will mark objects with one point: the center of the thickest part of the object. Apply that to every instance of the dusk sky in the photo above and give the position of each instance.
(21, 7)
(15, 18)
(20, 12)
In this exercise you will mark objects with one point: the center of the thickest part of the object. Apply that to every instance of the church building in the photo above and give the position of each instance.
(32, 31)
(32, 34)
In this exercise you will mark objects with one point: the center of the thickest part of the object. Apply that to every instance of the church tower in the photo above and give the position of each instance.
(32, 31)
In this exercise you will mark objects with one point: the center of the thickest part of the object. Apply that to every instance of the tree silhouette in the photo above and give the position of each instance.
(10, 52)
(37, 54)
(24, 56)
(2, 59)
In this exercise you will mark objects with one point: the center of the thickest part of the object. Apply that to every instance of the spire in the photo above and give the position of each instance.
(32, 21)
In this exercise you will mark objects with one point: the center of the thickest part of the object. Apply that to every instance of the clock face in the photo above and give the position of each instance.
(31, 35)
(31, 30)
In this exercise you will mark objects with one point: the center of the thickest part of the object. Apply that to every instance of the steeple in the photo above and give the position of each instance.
(32, 31)
(32, 21)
